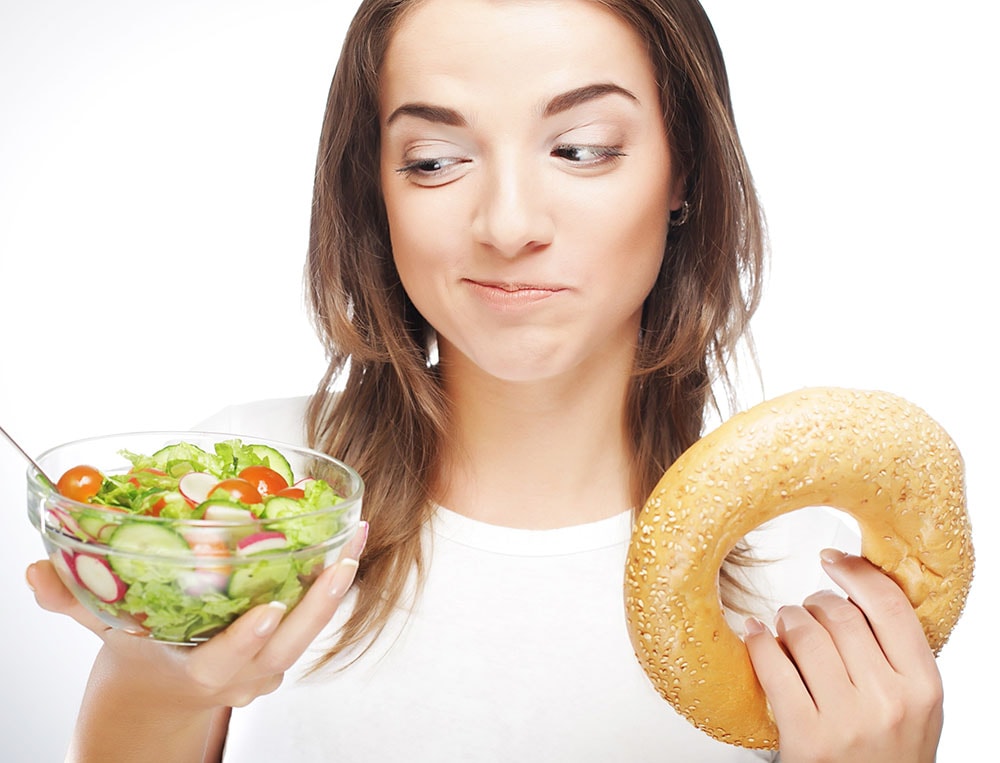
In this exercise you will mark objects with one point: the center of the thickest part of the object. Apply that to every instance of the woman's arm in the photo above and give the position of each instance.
(850, 679)
(216, 743)
(124, 718)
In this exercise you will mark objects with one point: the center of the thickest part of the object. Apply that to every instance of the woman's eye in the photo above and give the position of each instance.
(430, 169)
(587, 155)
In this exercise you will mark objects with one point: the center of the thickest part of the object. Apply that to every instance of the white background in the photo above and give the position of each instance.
(155, 178)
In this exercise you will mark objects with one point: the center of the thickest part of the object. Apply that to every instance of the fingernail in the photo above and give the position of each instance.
(270, 618)
(359, 540)
(343, 577)
(27, 576)
(753, 626)
(832, 555)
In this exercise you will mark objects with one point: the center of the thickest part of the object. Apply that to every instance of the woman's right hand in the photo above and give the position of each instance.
(149, 696)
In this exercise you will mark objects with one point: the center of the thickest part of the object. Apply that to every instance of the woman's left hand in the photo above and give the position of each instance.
(850, 679)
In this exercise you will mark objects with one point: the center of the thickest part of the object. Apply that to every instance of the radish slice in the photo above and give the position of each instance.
(65, 565)
(66, 522)
(267, 540)
(106, 532)
(96, 575)
(218, 513)
(195, 486)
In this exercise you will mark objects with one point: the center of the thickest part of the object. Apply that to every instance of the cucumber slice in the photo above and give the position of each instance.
(274, 460)
(182, 451)
(149, 539)
(278, 506)
(183, 457)
(96, 526)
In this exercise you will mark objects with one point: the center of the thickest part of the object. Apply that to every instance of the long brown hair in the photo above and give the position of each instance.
(390, 418)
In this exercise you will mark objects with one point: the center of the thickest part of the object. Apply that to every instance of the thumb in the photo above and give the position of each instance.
(51, 594)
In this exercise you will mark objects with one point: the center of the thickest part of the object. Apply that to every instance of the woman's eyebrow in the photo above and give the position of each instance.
(429, 113)
(579, 95)
(558, 104)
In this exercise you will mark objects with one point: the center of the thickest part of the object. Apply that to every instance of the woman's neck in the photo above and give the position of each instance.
(538, 455)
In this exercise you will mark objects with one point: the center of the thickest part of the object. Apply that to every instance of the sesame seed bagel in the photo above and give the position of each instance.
(871, 454)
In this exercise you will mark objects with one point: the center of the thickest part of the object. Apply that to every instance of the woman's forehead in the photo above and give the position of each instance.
(468, 51)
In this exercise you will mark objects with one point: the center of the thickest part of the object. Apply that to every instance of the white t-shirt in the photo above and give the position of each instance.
(515, 649)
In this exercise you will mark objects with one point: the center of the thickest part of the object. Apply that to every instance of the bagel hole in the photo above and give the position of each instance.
(786, 550)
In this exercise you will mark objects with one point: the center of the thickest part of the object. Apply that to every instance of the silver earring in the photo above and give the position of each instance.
(431, 348)
(681, 215)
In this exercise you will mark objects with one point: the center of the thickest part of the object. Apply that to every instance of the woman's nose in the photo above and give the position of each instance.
(513, 214)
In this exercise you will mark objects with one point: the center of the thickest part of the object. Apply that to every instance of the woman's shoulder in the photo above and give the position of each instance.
(280, 419)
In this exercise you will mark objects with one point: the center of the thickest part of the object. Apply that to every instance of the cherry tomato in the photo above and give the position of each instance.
(292, 492)
(156, 508)
(267, 481)
(238, 490)
(80, 483)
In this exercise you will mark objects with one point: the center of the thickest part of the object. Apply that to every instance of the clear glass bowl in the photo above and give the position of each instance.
(183, 580)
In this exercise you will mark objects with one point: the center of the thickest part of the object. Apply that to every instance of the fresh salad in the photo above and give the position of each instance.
(260, 536)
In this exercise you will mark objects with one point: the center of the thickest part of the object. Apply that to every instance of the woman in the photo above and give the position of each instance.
(535, 245)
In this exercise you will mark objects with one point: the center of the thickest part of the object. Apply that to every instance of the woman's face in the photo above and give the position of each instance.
(527, 181)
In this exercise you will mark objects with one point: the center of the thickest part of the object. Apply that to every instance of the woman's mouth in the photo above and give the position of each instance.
(507, 295)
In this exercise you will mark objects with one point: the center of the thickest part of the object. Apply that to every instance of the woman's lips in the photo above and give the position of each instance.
(511, 295)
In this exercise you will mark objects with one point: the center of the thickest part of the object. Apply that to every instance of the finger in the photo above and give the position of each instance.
(218, 661)
(892, 619)
(859, 650)
(51, 594)
(815, 655)
(790, 702)
(356, 545)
